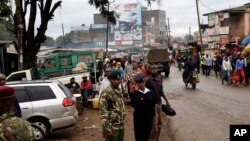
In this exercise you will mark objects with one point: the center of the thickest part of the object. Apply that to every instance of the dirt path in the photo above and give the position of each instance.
(89, 128)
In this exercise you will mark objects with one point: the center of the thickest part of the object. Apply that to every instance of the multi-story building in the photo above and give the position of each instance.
(228, 26)
(154, 26)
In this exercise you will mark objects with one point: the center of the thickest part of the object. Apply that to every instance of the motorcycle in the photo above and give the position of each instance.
(125, 27)
(193, 79)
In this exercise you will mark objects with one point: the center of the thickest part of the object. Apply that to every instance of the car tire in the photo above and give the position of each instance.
(43, 124)
(38, 132)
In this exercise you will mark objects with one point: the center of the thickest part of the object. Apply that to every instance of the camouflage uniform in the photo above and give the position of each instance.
(112, 110)
(132, 73)
(13, 128)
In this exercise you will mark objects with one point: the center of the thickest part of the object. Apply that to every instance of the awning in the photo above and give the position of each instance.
(245, 40)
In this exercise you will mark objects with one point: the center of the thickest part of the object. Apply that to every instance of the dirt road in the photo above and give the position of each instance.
(203, 114)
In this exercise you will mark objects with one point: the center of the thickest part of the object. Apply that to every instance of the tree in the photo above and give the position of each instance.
(5, 34)
(6, 22)
(29, 41)
(60, 41)
(49, 41)
(5, 9)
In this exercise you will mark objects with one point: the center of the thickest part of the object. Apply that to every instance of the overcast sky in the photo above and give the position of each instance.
(182, 14)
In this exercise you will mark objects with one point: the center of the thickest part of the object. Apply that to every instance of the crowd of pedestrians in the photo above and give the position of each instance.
(231, 68)
(144, 91)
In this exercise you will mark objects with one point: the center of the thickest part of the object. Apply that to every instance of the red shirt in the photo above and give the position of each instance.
(144, 71)
(86, 85)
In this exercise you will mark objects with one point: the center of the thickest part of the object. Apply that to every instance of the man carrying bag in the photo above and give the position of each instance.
(154, 83)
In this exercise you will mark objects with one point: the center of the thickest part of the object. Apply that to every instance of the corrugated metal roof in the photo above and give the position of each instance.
(238, 9)
(5, 42)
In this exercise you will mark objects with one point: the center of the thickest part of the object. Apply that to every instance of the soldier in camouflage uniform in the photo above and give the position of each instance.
(12, 128)
(112, 109)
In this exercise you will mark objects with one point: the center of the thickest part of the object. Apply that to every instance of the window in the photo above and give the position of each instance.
(17, 77)
(65, 61)
(22, 95)
(85, 58)
(49, 63)
(40, 93)
(225, 22)
(65, 90)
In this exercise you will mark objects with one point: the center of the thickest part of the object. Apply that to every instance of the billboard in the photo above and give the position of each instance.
(129, 22)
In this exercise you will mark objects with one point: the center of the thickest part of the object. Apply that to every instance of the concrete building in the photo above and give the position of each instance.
(93, 33)
(228, 26)
(99, 19)
(154, 26)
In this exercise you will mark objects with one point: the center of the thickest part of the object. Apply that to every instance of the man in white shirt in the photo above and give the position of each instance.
(208, 64)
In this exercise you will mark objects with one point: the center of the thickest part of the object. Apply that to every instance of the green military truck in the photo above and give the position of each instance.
(159, 57)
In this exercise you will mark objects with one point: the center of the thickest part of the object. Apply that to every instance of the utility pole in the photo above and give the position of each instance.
(107, 33)
(190, 34)
(20, 27)
(63, 36)
(199, 24)
(168, 33)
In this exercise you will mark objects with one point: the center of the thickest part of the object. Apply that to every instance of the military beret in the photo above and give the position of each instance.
(6, 92)
(113, 75)
(139, 77)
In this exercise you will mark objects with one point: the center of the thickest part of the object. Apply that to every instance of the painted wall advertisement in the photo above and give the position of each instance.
(129, 22)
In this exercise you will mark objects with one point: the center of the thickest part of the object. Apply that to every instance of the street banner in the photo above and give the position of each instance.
(129, 22)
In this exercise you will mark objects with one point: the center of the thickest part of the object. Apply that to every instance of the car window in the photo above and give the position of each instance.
(40, 93)
(17, 77)
(22, 95)
(65, 90)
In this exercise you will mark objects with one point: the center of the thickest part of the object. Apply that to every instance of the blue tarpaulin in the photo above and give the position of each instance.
(246, 40)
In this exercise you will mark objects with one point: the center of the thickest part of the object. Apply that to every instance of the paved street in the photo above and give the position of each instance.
(203, 114)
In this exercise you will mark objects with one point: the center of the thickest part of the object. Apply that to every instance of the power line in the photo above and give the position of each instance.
(205, 5)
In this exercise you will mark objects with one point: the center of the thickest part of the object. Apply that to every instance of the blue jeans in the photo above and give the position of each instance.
(85, 94)
(226, 75)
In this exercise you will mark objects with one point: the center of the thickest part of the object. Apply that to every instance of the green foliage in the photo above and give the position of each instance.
(5, 9)
(6, 34)
(49, 41)
(60, 41)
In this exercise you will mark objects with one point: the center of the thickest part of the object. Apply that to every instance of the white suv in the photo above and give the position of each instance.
(48, 103)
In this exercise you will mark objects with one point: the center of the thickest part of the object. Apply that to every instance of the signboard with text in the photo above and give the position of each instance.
(129, 23)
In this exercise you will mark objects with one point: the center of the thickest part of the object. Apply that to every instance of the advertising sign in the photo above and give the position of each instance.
(78, 28)
(129, 23)
(98, 26)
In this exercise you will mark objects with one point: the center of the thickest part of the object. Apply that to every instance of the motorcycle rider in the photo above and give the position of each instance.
(189, 66)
